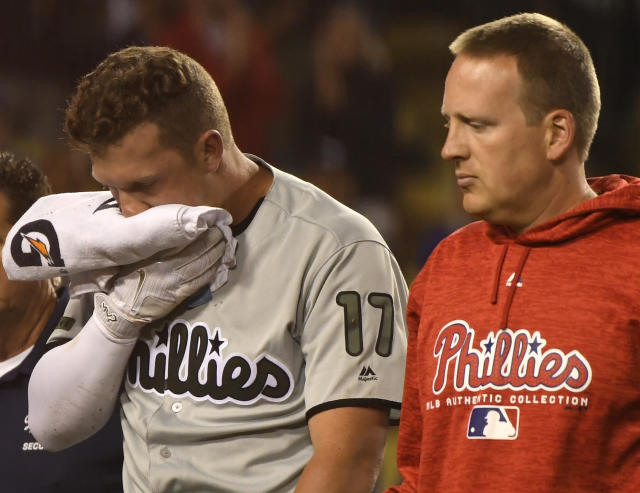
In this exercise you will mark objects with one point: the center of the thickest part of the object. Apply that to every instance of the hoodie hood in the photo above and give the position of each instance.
(618, 195)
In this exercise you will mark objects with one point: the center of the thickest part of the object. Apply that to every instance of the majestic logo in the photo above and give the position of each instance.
(36, 244)
(185, 360)
(510, 360)
(367, 374)
(493, 423)
(510, 280)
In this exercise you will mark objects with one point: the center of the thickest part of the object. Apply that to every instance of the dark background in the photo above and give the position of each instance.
(344, 94)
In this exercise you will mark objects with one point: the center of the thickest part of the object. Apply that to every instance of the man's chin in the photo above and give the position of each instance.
(472, 207)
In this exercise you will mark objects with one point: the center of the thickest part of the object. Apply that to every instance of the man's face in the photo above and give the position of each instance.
(141, 173)
(12, 293)
(500, 161)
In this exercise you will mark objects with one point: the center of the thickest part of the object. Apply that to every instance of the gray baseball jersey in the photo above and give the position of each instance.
(217, 396)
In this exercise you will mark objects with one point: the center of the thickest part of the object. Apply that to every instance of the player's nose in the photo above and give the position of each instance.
(129, 205)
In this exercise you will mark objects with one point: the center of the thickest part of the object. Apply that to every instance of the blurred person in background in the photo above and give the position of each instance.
(224, 37)
(349, 98)
(522, 367)
(345, 135)
(29, 312)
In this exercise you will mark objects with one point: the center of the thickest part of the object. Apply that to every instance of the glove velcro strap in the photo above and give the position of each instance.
(116, 323)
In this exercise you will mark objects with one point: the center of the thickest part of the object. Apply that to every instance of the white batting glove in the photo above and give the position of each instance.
(149, 291)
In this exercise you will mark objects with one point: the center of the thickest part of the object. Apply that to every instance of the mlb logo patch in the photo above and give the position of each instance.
(493, 423)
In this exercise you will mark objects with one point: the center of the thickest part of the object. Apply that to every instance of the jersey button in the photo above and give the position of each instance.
(165, 452)
(176, 407)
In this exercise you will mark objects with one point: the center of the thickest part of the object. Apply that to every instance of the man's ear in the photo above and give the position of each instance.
(560, 134)
(209, 149)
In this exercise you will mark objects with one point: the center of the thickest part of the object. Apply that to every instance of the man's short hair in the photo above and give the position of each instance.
(555, 66)
(146, 84)
(22, 183)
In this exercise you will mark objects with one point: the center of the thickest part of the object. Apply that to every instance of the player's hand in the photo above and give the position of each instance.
(148, 291)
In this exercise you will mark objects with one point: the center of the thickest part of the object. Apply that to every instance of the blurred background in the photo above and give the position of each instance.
(345, 94)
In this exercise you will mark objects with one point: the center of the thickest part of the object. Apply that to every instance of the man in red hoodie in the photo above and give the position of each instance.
(523, 370)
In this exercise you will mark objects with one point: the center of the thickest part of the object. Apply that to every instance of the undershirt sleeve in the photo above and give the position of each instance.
(74, 387)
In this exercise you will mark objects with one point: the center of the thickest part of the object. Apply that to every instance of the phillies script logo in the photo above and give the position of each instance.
(506, 360)
(186, 360)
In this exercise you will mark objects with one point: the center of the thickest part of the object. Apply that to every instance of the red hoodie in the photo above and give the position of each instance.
(523, 370)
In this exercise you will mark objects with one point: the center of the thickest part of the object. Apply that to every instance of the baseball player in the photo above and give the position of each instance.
(282, 379)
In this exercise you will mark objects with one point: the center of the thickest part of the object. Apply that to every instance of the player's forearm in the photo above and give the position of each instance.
(337, 474)
(74, 387)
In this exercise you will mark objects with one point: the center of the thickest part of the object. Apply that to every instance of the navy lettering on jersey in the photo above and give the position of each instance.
(186, 360)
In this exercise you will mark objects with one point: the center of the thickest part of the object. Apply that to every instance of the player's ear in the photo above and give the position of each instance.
(209, 149)
(560, 134)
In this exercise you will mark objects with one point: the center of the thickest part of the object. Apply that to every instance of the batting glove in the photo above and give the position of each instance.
(147, 292)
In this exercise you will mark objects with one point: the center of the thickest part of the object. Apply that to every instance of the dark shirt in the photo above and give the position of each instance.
(94, 465)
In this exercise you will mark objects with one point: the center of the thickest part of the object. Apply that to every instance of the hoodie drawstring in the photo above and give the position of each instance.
(496, 276)
(514, 285)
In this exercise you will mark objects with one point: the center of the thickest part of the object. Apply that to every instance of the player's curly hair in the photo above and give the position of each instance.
(555, 65)
(141, 84)
(22, 183)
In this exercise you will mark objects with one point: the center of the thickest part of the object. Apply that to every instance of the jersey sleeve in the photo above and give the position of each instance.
(354, 337)
(76, 314)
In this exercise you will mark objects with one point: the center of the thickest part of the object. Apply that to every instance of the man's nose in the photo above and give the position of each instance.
(455, 147)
